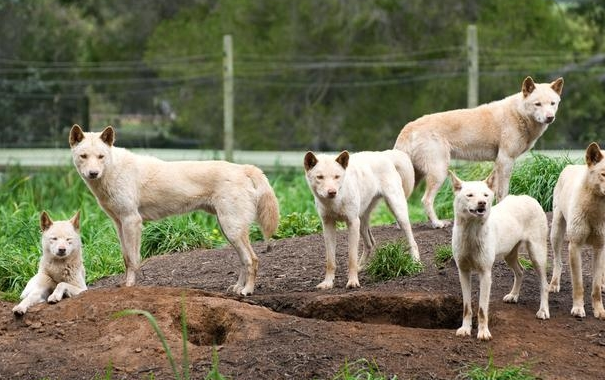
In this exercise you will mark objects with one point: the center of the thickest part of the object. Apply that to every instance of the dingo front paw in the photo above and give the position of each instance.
(19, 310)
(324, 285)
(484, 334)
(599, 313)
(353, 283)
(578, 311)
(554, 286)
(440, 224)
(54, 298)
(543, 314)
(511, 298)
(463, 331)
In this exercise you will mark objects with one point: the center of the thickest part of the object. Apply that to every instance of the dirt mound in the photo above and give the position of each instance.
(288, 329)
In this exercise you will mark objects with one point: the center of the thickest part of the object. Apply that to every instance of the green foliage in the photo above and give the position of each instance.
(361, 369)
(491, 372)
(537, 176)
(526, 263)
(392, 260)
(443, 255)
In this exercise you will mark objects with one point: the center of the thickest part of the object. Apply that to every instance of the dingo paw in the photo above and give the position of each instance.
(599, 314)
(440, 224)
(235, 288)
(511, 298)
(543, 314)
(353, 283)
(578, 311)
(54, 298)
(19, 310)
(554, 287)
(484, 334)
(247, 291)
(324, 285)
(463, 331)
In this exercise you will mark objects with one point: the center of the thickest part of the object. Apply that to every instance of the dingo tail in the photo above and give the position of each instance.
(267, 207)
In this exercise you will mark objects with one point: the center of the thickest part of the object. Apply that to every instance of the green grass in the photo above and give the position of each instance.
(392, 260)
(443, 255)
(361, 369)
(491, 372)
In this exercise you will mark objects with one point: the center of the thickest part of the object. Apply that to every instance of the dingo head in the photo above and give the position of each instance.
(61, 238)
(91, 151)
(596, 168)
(472, 199)
(325, 174)
(541, 100)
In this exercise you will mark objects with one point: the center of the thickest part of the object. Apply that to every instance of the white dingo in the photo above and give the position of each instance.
(579, 211)
(500, 131)
(347, 188)
(61, 271)
(483, 233)
(133, 188)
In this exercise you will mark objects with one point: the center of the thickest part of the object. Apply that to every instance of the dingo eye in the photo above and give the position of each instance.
(84, 156)
(485, 195)
(101, 156)
(54, 238)
(336, 177)
(552, 103)
(469, 195)
(320, 177)
(602, 174)
(537, 104)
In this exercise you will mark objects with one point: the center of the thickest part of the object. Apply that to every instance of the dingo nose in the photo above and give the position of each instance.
(550, 119)
(481, 203)
(93, 174)
(61, 251)
(332, 193)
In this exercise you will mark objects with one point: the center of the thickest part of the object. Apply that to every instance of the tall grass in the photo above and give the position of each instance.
(61, 192)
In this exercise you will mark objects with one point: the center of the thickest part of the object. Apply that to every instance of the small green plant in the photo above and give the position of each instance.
(393, 260)
(443, 255)
(361, 369)
(491, 372)
(526, 263)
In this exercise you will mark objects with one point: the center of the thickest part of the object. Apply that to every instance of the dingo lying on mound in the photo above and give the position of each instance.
(347, 188)
(61, 271)
(483, 233)
(579, 211)
(133, 188)
(500, 131)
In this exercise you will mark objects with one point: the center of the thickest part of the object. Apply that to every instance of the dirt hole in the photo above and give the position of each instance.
(409, 310)
(208, 328)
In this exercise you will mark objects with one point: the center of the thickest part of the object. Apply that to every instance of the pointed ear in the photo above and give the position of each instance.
(343, 159)
(310, 161)
(528, 86)
(75, 220)
(45, 221)
(108, 135)
(557, 85)
(593, 154)
(76, 135)
(456, 182)
(490, 181)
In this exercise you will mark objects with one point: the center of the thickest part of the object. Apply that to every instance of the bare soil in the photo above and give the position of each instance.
(288, 329)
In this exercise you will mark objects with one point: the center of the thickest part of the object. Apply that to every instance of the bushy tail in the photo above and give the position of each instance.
(267, 207)
(405, 169)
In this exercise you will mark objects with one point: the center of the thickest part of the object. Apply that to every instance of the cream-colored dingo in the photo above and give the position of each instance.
(483, 233)
(133, 188)
(61, 271)
(347, 188)
(500, 131)
(579, 211)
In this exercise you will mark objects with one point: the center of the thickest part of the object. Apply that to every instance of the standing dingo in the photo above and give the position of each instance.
(579, 211)
(61, 271)
(347, 188)
(500, 131)
(483, 233)
(133, 188)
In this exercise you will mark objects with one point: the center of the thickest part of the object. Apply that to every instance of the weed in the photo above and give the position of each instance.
(443, 255)
(361, 369)
(491, 372)
(393, 260)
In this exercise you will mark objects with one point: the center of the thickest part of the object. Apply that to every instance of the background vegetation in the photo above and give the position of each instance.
(313, 74)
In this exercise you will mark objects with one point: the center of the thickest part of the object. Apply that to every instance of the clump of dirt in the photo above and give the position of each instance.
(288, 329)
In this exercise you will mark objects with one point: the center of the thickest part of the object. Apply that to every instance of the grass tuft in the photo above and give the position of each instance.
(443, 255)
(361, 369)
(491, 372)
(392, 260)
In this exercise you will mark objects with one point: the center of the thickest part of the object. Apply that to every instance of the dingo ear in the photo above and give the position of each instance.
(343, 159)
(528, 86)
(593, 154)
(557, 85)
(45, 221)
(310, 161)
(75, 220)
(456, 182)
(490, 181)
(76, 135)
(108, 135)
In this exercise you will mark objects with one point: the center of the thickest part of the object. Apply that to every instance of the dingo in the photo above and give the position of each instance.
(347, 188)
(500, 131)
(133, 188)
(579, 210)
(483, 233)
(61, 271)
